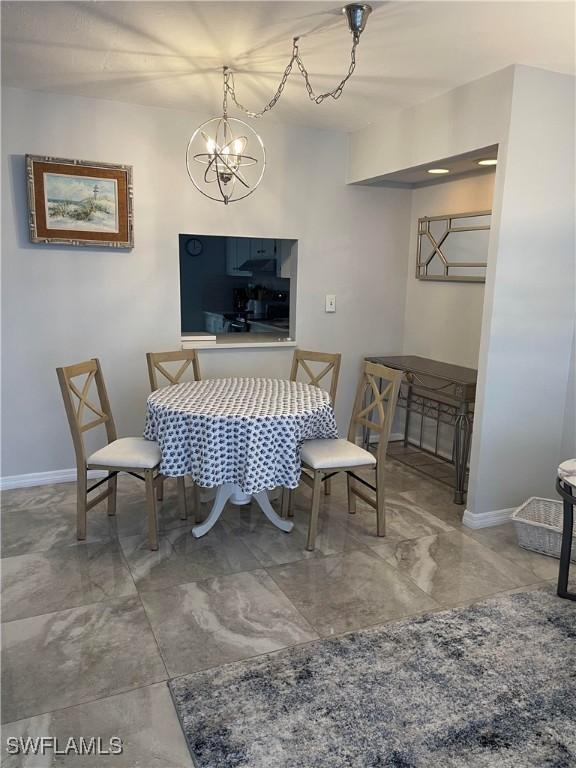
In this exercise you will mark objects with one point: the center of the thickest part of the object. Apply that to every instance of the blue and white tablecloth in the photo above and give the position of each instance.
(242, 431)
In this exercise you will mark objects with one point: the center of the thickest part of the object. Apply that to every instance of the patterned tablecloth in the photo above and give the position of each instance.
(242, 431)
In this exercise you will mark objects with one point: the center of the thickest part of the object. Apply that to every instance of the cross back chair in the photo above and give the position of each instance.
(374, 406)
(133, 455)
(301, 359)
(187, 358)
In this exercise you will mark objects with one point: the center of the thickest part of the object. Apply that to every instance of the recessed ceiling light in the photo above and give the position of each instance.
(488, 161)
(438, 170)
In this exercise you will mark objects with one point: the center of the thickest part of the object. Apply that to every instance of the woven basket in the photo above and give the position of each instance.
(538, 524)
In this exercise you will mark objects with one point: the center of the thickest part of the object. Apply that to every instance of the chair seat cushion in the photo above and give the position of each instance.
(331, 454)
(567, 472)
(129, 452)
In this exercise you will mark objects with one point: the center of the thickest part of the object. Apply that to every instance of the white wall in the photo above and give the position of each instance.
(568, 450)
(470, 117)
(524, 387)
(443, 320)
(61, 305)
(528, 326)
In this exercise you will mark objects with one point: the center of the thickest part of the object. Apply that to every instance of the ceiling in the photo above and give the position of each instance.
(170, 54)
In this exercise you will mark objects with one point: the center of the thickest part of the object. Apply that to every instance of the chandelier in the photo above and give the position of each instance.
(226, 158)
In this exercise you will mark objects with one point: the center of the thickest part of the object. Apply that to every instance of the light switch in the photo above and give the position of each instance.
(330, 302)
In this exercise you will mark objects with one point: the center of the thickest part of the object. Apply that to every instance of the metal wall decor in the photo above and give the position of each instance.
(226, 158)
(453, 248)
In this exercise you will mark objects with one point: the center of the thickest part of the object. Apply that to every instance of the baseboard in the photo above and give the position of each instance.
(69, 476)
(487, 519)
(45, 478)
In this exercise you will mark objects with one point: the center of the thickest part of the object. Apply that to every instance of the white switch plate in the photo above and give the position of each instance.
(330, 302)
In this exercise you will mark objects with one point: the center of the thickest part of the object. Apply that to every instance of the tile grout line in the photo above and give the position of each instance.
(260, 566)
(156, 643)
(70, 608)
(479, 597)
(504, 557)
(143, 607)
(286, 649)
(340, 554)
(262, 570)
(88, 701)
(366, 627)
(296, 609)
(115, 536)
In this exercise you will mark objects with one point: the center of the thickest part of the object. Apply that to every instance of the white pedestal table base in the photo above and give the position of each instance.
(233, 493)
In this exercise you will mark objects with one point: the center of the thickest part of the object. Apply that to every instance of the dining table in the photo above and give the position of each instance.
(240, 435)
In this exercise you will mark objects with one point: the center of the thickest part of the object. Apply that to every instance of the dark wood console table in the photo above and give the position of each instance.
(441, 392)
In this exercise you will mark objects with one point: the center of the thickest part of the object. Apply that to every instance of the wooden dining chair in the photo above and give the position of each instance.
(302, 362)
(374, 406)
(187, 358)
(155, 362)
(135, 455)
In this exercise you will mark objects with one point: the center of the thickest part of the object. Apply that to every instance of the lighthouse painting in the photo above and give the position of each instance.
(76, 202)
(79, 202)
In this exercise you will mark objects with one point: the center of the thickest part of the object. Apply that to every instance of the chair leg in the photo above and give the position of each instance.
(291, 493)
(182, 498)
(81, 503)
(351, 495)
(151, 505)
(113, 488)
(565, 550)
(313, 523)
(198, 516)
(380, 503)
(328, 487)
(285, 503)
(160, 490)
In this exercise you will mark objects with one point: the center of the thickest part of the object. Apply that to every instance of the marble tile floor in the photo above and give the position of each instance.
(92, 630)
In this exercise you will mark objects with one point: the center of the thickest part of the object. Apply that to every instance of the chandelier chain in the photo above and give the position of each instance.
(229, 86)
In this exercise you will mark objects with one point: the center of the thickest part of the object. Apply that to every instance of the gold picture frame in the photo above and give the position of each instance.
(77, 202)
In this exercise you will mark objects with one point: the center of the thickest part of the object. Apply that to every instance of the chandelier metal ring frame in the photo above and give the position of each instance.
(225, 139)
(224, 158)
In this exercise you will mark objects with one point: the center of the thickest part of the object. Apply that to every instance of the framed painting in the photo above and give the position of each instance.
(75, 202)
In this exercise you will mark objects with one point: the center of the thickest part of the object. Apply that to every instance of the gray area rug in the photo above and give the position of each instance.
(489, 685)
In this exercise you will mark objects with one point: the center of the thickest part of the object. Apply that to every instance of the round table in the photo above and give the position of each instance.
(242, 435)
